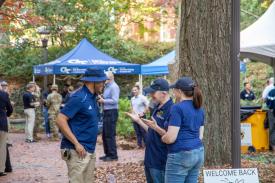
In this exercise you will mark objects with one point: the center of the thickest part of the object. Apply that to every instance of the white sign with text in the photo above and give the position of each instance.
(246, 137)
(245, 175)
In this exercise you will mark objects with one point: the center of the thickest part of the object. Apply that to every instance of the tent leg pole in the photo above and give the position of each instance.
(45, 83)
(273, 66)
(54, 79)
(33, 78)
(140, 83)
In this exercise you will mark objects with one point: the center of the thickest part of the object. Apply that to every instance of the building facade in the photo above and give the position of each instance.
(155, 27)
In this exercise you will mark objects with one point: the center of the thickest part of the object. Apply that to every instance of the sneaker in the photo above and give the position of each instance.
(3, 174)
(48, 135)
(30, 141)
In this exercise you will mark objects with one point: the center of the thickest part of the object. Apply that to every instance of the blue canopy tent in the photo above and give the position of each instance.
(84, 56)
(159, 66)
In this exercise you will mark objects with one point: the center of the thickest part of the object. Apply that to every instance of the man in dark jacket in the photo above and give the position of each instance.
(5, 111)
(247, 93)
(270, 102)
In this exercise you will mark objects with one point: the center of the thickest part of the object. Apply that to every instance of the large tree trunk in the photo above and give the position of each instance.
(204, 54)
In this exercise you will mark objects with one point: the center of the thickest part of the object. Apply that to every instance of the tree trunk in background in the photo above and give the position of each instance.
(203, 50)
(1, 2)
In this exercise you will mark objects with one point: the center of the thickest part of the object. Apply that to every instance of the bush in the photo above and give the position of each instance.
(124, 125)
(17, 97)
(18, 62)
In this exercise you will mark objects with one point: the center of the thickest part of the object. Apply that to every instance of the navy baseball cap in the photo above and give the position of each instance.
(157, 85)
(184, 84)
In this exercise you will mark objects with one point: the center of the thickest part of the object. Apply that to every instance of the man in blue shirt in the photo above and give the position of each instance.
(78, 122)
(156, 151)
(110, 115)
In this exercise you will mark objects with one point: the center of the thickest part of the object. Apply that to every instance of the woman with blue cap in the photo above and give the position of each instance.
(184, 132)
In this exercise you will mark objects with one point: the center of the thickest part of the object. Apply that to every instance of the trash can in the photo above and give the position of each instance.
(254, 135)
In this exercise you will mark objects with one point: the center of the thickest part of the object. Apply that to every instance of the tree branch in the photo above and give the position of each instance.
(249, 13)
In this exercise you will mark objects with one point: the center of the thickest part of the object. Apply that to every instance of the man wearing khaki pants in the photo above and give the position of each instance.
(5, 111)
(29, 111)
(78, 122)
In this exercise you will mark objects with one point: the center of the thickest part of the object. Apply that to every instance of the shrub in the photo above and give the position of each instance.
(124, 125)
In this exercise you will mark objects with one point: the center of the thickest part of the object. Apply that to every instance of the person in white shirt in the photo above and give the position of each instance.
(268, 89)
(140, 106)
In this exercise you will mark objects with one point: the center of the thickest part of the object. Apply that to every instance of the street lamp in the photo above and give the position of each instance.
(235, 79)
(44, 32)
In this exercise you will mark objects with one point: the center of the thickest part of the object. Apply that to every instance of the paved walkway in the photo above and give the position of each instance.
(41, 163)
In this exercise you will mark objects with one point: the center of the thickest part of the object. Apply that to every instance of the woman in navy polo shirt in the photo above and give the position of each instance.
(184, 134)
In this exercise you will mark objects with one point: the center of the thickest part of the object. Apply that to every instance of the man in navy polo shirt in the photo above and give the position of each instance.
(78, 122)
(156, 151)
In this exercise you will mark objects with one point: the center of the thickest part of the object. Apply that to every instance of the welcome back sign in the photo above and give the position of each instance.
(245, 175)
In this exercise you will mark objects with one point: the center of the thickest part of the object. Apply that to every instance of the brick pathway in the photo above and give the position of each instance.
(41, 163)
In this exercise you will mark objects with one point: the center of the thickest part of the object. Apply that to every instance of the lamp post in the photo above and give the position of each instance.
(43, 32)
(235, 80)
(45, 56)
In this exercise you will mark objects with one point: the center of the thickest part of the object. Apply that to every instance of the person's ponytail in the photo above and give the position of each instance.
(197, 97)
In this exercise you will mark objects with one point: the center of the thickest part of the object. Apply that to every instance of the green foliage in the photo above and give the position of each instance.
(266, 158)
(124, 125)
(257, 74)
(17, 97)
(251, 10)
(19, 61)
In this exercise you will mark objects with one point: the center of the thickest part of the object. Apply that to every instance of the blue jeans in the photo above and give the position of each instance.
(184, 166)
(46, 120)
(154, 175)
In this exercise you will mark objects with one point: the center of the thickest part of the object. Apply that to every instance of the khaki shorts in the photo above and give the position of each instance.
(79, 170)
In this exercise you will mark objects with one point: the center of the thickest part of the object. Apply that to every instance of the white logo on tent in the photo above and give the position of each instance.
(65, 70)
(77, 61)
(111, 69)
(105, 62)
(48, 70)
(37, 71)
(53, 62)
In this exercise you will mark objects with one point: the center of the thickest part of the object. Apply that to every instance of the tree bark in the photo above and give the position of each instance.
(203, 50)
